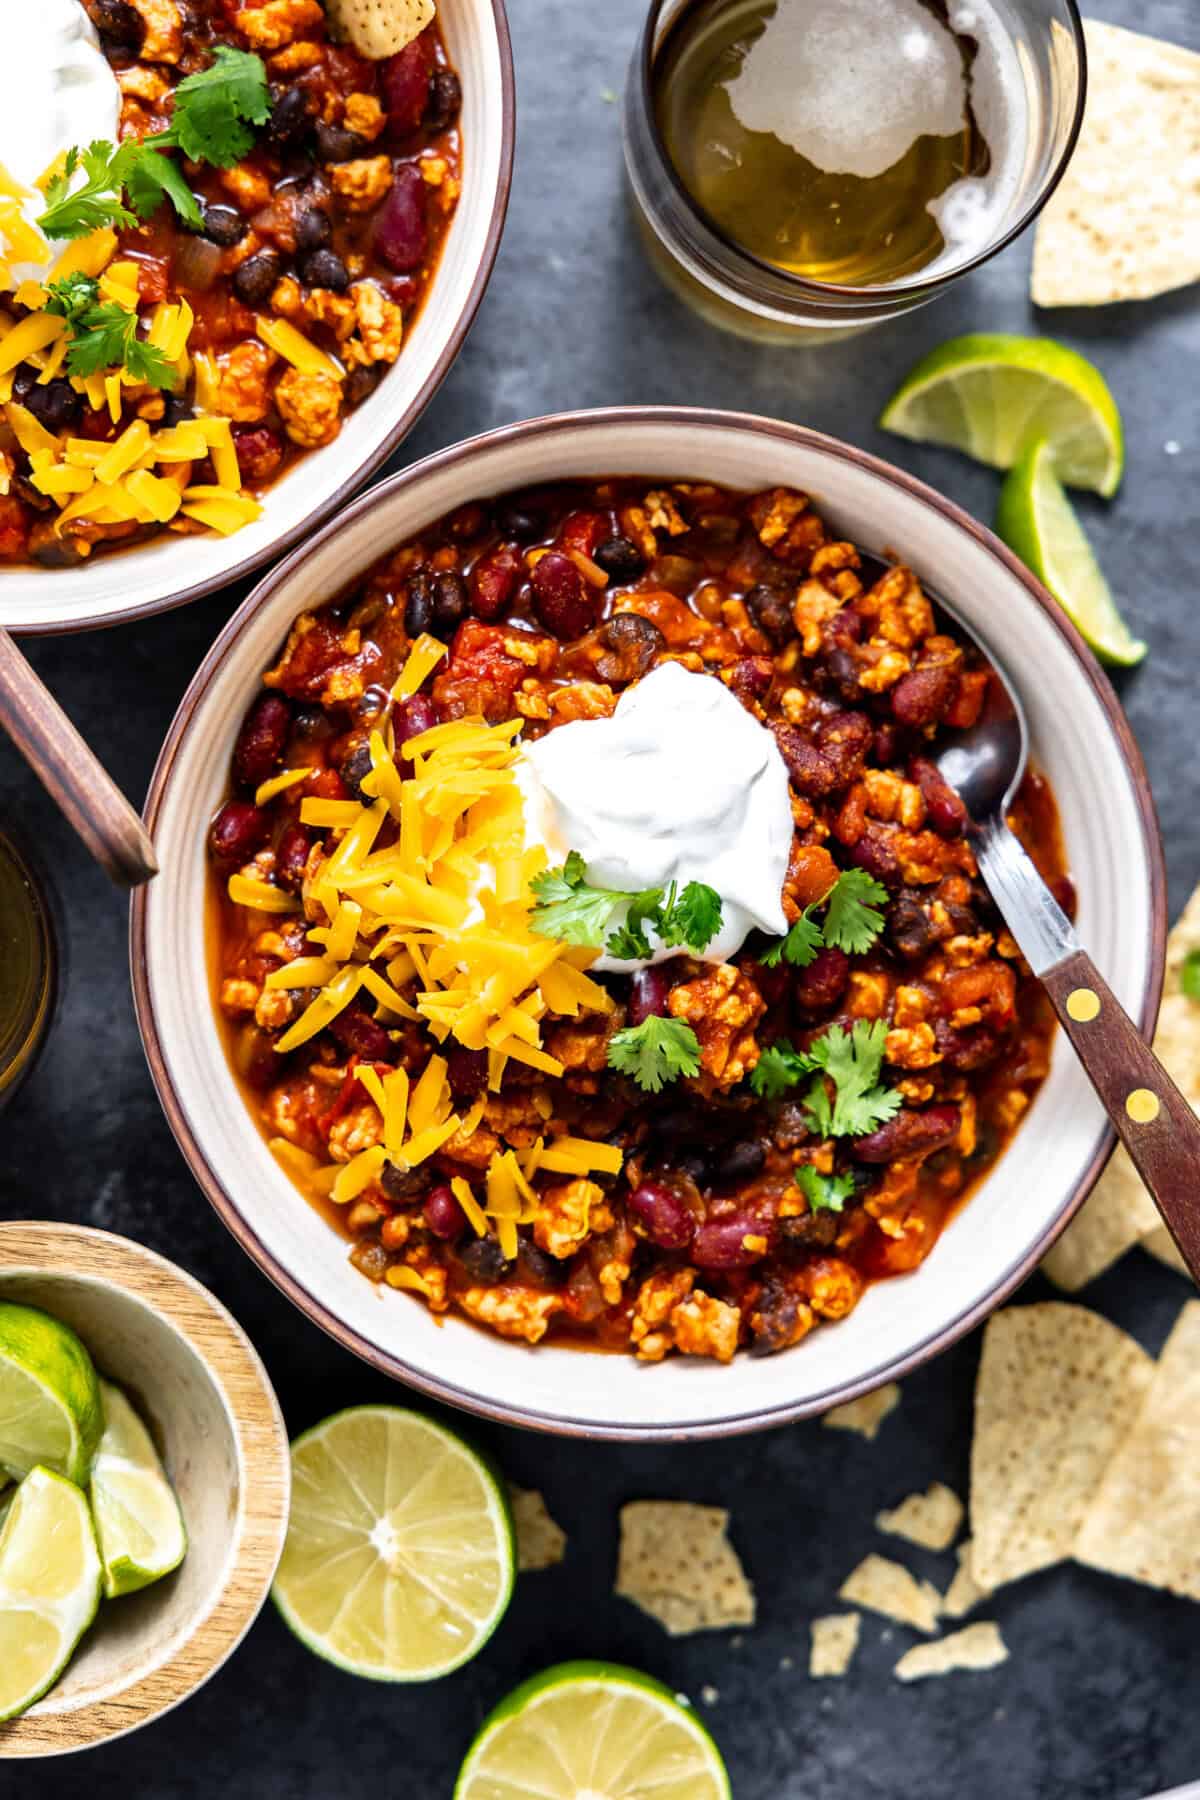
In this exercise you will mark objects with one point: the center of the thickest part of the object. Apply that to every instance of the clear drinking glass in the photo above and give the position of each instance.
(28, 966)
(739, 291)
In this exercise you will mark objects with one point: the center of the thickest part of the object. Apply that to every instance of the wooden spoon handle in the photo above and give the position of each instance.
(71, 774)
(1153, 1120)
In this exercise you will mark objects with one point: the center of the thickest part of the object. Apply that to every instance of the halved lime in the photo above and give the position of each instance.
(592, 1731)
(992, 394)
(400, 1558)
(50, 1409)
(1036, 519)
(138, 1521)
(49, 1586)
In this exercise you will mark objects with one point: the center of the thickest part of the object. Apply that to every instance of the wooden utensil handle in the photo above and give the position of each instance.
(72, 775)
(1153, 1120)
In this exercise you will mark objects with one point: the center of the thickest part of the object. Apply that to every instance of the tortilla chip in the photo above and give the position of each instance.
(974, 1647)
(1124, 223)
(540, 1542)
(1118, 1216)
(1056, 1390)
(378, 28)
(677, 1564)
(931, 1519)
(964, 1591)
(888, 1588)
(1161, 1244)
(834, 1641)
(866, 1414)
(1144, 1521)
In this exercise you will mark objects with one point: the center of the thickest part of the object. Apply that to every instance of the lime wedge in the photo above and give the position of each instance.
(592, 1731)
(1036, 519)
(991, 395)
(50, 1410)
(138, 1521)
(49, 1586)
(399, 1561)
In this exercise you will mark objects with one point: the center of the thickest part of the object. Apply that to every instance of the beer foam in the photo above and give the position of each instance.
(851, 84)
(975, 210)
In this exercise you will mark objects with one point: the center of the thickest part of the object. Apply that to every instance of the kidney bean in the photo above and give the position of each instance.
(255, 1057)
(770, 611)
(662, 1215)
(405, 82)
(819, 987)
(451, 603)
(910, 930)
(238, 830)
(355, 1030)
(466, 1071)
(401, 227)
(750, 678)
(832, 760)
(965, 1051)
(259, 452)
(327, 784)
(620, 559)
(846, 627)
(562, 600)
(776, 1318)
(443, 1215)
(291, 857)
(721, 1243)
(484, 1261)
(920, 698)
(254, 279)
(262, 739)
(740, 1162)
(910, 1135)
(947, 814)
(873, 852)
(445, 100)
(631, 644)
(648, 993)
(581, 531)
(843, 670)
(887, 745)
(412, 717)
(494, 581)
(405, 1185)
(119, 24)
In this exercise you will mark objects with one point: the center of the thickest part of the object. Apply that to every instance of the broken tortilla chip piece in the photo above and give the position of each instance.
(866, 1414)
(964, 1591)
(1161, 1244)
(834, 1641)
(888, 1588)
(1144, 1521)
(1056, 1390)
(931, 1519)
(540, 1542)
(974, 1647)
(1118, 1215)
(1124, 223)
(378, 28)
(677, 1564)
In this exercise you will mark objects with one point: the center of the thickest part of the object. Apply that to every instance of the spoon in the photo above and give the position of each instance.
(1158, 1128)
(72, 775)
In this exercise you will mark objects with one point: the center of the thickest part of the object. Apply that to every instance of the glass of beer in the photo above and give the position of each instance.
(804, 169)
(28, 965)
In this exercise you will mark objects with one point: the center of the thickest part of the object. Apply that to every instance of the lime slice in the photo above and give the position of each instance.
(138, 1521)
(592, 1731)
(49, 1586)
(50, 1410)
(399, 1561)
(992, 395)
(1036, 519)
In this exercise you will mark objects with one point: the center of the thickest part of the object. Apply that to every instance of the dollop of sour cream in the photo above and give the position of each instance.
(680, 784)
(59, 91)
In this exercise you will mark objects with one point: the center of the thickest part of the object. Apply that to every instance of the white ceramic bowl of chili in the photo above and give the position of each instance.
(1080, 739)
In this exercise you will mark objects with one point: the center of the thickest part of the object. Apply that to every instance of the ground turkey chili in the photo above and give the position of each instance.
(694, 1156)
(271, 282)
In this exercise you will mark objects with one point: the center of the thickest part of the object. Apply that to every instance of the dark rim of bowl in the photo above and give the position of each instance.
(882, 291)
(400, 429)
(227, 1208)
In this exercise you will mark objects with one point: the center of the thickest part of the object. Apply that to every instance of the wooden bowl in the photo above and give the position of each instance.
(213, 1413)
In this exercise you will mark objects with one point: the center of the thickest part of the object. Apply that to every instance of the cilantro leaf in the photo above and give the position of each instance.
(629, 941)
(851, 1061)
(778, 1068)
(800, 946)
(655, 1052)
(96, 202)
(852, 921)
(216, 107)
(150, 177)
(104, 336)
(694, 919)
(72, 295)
(1189, 975)
(569, 909)
(824, 1193)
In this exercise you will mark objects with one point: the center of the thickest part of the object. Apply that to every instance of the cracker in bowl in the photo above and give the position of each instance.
(378, 28)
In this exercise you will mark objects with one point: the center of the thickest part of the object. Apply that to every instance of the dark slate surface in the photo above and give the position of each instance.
(1098, 1700)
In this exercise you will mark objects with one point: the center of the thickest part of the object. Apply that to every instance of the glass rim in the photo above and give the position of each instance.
(802, 285)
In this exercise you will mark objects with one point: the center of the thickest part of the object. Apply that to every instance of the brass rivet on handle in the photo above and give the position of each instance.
(1142, 1106)
(1083, 1005)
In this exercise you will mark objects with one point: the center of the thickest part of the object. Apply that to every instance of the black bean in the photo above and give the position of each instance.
(336, 145)
(223, 224)
(325, 269)
(741, 1162)
(418, 608)
(362, 381)
(445, 100)
(119, 23)
(484, 1261)
(519, 518)
(54, 404)
(535, 1265)
(404, 1184)
(451, 602)
(291, 110)
(313, 229)
(176, 409)
(769, 609)
(356, 765)
(620, 559)
(256, 277)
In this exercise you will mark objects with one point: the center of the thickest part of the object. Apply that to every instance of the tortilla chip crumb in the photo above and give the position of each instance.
(974, 1647)
(540, 1542)
(1118, 1216)
(866, 1414)
(931, 1519)
(888, 1588)
(964, 1591)
(834, 1641)
(1144, 1521)
(676, 1563)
